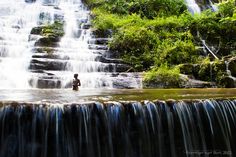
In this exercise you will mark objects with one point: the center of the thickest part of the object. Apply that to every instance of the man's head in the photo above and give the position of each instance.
(75, 75)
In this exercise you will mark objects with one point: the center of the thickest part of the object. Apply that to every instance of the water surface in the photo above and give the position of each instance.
(69, 96)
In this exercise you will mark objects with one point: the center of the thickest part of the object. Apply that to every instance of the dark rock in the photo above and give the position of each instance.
(86, 26)
(98, 47)
(196, 68)
(193, 83)
(51, 56)
(122, 84)
(44, 50)
(51, 41)
(47, 65)
(58, 17)
(123, 67)
(228, 82)
(108, 60)
(36, 30)
(30, 1)
(47, 83)
(107, 68)
(99, 41)
(232, 66)
(97, 33)
(37, 71)
(187, 69)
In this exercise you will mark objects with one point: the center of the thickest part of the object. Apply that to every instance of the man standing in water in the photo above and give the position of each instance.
(76, 82)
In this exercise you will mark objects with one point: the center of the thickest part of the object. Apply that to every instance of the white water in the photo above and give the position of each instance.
(213, 6)
(193, 7)
(17, 18)
(16, 21)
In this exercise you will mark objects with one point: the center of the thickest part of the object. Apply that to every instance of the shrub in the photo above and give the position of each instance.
(163, 76)
(135, 45)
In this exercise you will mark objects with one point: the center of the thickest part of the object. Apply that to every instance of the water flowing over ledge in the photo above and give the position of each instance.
(114, 129)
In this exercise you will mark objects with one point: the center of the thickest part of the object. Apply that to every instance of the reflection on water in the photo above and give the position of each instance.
(67, 95)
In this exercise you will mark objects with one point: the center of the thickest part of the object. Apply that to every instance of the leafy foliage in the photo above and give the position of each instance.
(147, 8)
(149, 33)
(164, 76)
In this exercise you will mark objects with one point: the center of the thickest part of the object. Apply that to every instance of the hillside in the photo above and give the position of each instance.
(174, 47)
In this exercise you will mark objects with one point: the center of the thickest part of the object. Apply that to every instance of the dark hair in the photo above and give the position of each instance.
(75, 75)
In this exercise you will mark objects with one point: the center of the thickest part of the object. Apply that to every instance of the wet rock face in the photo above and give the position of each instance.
(30, 1)
(228, 82)
(48, 65)
(47, 83)
(232, 66)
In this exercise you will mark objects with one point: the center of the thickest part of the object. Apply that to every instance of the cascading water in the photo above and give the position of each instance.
(53, 67)
(227, 68)
(78, 52)
(76, 43)
(16, 21)
(131, 129)
(213, 6)
(193, 6)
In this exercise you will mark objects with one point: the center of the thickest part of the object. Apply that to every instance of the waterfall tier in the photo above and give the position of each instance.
(114, 129)
(30, 60)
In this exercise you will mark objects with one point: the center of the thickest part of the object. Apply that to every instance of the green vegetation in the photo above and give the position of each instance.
(145, 8)
(163, 76)
(158, 35)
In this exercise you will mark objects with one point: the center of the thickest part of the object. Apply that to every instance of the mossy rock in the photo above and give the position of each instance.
(164, 82)
(48, 50)
(210, 71)
(204, 72)
(219, 66)
(51, 34)
(48, 41)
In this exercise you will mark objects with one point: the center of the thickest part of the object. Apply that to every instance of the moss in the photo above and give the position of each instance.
(56, 29)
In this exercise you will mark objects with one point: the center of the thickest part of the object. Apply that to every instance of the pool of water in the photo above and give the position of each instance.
(69, 96)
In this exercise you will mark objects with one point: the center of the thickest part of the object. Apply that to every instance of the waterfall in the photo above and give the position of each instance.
(119, 129)
(16, 21)
(193, 7)
(213, 6)
(227, 68)
(26, 64)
